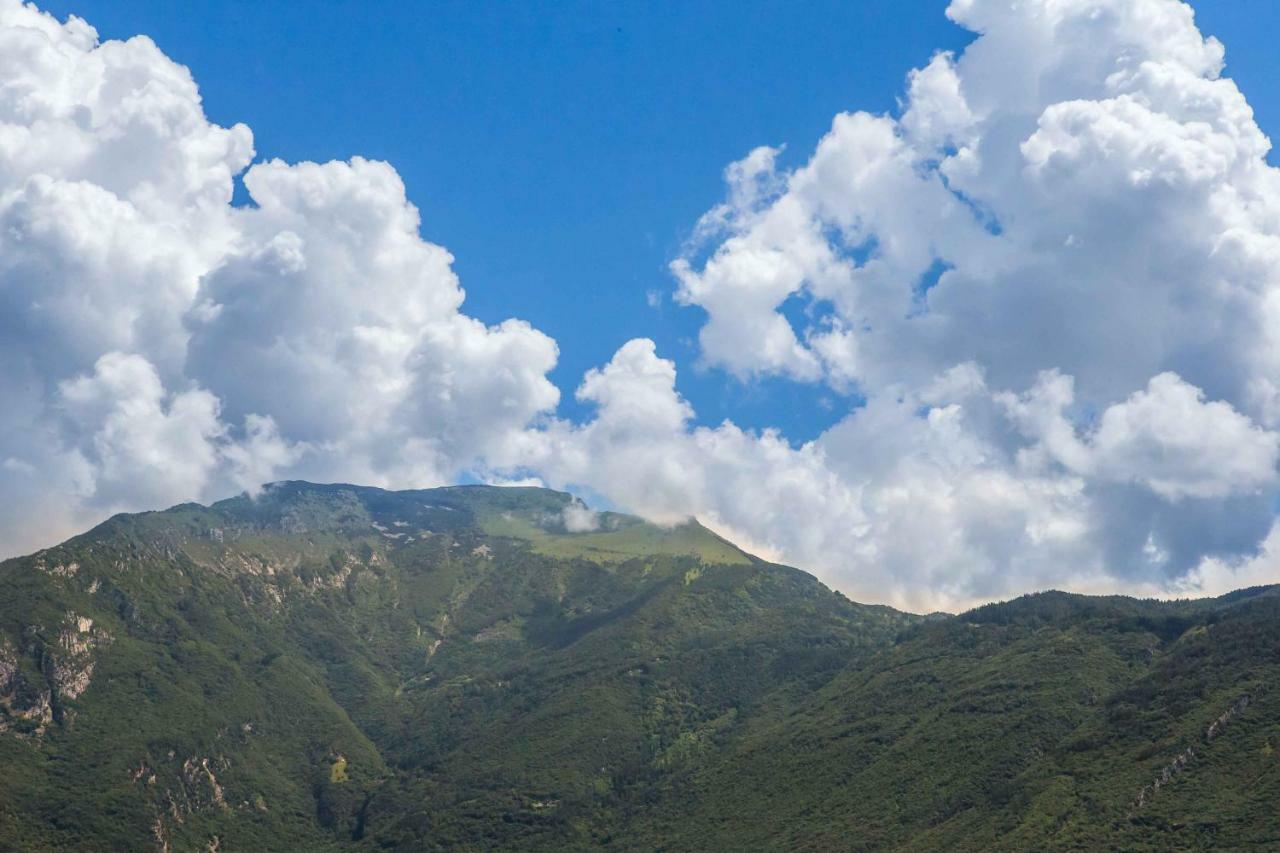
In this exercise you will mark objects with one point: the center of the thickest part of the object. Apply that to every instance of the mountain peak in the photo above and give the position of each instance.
(333, 666)
(236, 668)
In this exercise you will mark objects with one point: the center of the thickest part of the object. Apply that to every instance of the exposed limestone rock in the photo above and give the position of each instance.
(161, 835)
(8, 666)
(1234, 710)
(200, 786)
(60, 570)
(144, 774)
(232, 563)
(1184, 758)
(35, 698)
(338, 579)
(1166, 774)
(21, 700)
(73, 663)
(197, 789)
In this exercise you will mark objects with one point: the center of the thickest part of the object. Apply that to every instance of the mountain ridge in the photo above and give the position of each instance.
(344, 667)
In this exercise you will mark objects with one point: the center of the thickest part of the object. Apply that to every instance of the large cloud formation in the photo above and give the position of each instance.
(162, 345)
(1054, 279)
(1051, 284)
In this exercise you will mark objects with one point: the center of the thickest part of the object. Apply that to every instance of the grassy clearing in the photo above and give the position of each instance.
(629, 538)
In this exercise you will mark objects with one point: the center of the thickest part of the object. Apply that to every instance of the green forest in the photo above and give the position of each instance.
(346, 668)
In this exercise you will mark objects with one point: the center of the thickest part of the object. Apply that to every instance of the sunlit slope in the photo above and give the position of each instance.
(334, 666)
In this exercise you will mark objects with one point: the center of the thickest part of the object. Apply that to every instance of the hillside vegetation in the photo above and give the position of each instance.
(336, 667)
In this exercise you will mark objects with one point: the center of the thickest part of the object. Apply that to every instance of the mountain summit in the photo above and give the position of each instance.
(338, 667)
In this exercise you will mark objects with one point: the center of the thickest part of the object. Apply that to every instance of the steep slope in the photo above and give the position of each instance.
(1050, 722)
(334, 667)
(325, 666)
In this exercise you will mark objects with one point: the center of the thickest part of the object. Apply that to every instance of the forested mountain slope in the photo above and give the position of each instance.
(337, 667)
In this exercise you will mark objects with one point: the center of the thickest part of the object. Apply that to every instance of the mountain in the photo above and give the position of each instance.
(346, 668)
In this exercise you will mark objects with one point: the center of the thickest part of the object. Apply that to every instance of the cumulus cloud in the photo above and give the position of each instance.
(1166, 438)
(940, 496)
(903, 501)
(1050, 281)
(142, 443)
(333, 317)
(1079, 189)
(161, 345)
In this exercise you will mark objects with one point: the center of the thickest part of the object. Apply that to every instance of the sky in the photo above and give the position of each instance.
(945, 303)
(560, 151)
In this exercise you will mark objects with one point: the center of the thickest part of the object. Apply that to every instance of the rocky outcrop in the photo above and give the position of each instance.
(1234, 710)
(56, 673)
(24, 706)
(193, 787)
(1166, 774)
(71, 665)
(200, 786)
(59, 570)
(1184, 758)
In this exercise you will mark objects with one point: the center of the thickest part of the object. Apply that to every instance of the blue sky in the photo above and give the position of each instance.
(1086, 397)
(562, 151)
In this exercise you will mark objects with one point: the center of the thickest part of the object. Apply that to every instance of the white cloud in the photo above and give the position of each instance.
(578, 518)
(1095, 192)
(1073, 225)
(1054, 280)
(902, 501)
(336, 319)
(143, 443)
(161, 345)
(1166, 438)
(943, 496)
